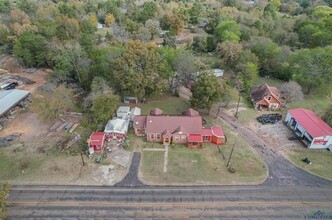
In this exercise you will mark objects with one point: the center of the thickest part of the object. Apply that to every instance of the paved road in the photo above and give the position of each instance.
(281, 171)
(245, 202)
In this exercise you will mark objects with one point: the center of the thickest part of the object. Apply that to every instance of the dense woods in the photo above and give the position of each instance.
(138, 48)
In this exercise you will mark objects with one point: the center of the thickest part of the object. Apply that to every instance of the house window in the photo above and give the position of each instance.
(177, 138)
(205, 138)
(274, 105)
(183, 138)
(158, 136)
(152, 136)
(269, 98)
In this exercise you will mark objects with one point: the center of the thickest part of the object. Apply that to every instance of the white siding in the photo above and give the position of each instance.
(320, 145)
(288, 118)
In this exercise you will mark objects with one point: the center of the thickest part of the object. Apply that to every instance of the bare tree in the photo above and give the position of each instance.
(186, 68)
(143, 34)
(119, 33)
(154, 27)
(291, 91)
(327, 116)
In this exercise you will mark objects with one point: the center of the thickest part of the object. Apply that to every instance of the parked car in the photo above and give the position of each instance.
(269, 118)
(11, 86)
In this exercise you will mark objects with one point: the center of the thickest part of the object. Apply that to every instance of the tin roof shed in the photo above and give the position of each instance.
(10, 98)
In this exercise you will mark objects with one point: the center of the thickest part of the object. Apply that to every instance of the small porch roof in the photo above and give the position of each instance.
(196, 138)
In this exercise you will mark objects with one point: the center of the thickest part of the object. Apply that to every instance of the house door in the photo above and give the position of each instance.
(167, 140)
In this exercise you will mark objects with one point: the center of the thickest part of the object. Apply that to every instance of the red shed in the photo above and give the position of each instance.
(97, 141)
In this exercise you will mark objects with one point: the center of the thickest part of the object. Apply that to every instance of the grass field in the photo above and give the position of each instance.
(321, 161)
(206, 165)
(19, 166)
(316, 103)
(269, 81)
(171, 105)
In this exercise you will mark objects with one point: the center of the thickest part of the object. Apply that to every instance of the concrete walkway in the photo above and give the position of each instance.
(166, 158)
(153, 149)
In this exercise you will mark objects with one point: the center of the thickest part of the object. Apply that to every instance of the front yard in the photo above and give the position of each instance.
(206, 166)
(321, 161)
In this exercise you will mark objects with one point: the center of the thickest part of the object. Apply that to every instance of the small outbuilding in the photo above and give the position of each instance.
(117, 128)
(312, 130)
(218, 72)
(134, 112)
(97, 141)
(10, 98)
(123, 112)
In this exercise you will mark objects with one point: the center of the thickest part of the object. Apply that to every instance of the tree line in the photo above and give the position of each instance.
(288, 40)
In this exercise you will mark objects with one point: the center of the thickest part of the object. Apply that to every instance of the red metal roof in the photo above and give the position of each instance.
(139, 121)
(197, 138)
(207, 132)
(97, 138)
(158, 124)
(217, 131)
(313, 124)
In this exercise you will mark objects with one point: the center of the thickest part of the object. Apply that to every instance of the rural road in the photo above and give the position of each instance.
(243, 202)
(281, 171)
(288, 193)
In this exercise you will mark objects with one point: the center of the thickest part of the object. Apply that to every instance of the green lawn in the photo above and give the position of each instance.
(270, 81)
(20, 166)
(205, 166)
(316, 103)
(171, 105)
(321, 161)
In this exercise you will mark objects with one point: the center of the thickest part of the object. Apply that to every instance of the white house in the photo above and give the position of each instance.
(123, 112)
(312, 130)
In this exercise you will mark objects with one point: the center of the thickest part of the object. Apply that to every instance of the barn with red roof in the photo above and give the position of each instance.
(312, 130)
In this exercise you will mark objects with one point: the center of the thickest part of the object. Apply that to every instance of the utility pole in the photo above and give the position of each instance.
(219, 107)
(82, 159)
(230, 155)
(237, 106)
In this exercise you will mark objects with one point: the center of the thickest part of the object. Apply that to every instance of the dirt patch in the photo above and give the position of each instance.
(27, 124)
(185, 93)
(276, 135)
(15, 71)
(37, 146)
